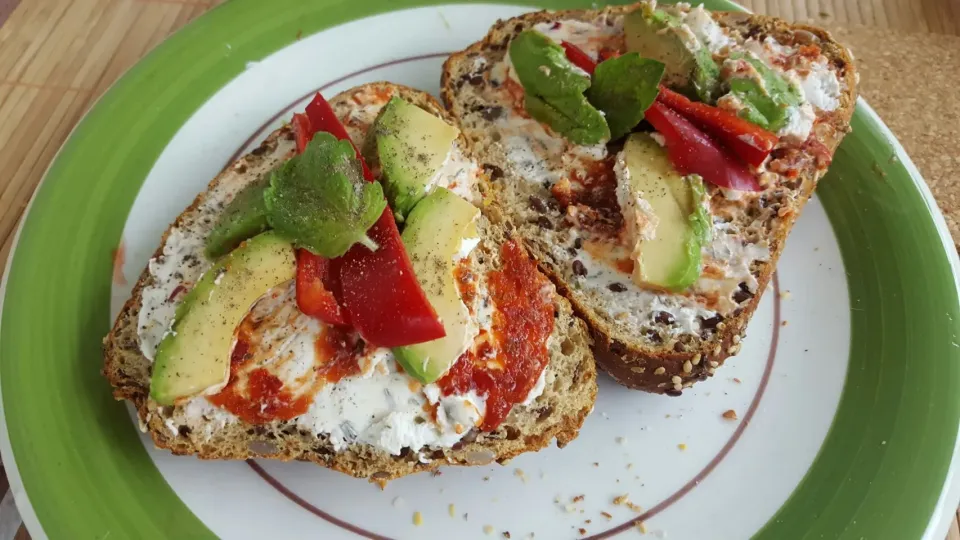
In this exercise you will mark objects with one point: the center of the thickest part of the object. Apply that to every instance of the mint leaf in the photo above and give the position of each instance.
(543, 68)
(571, 115)
(320, 201)
(766, 99)
(623, 88)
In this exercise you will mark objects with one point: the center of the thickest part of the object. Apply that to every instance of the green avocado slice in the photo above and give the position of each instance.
(193, 358)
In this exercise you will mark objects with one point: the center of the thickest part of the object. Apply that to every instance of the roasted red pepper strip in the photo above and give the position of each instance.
(579, 58)
(747, 140)
(380, 293)
(302, 130)
(693, 152)
(322, 118)
(318, 278)
(318, 288)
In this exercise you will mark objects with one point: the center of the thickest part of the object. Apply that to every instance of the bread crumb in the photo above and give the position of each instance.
(629, 466)
(588, 521)
(506, 534)
(635, 507)
(620, 499)
(520, 474)
(596, 463)
(784, 323)
(397, 502)
(583, 531)
(642, 527)
(784, 295)
(486, 478)
(570, 508)
(577, 499)
(621, 440)
(730, 414)
(736, 380)
(488, 529)
(682, 447)
(417, 519)
(607, 515)
(452, 510)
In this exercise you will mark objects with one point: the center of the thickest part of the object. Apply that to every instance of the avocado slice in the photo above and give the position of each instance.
(194, 357)
(656, 34)
(412, 145)
(767, 97)
(436, 230)
(245, 217)
(671, 259)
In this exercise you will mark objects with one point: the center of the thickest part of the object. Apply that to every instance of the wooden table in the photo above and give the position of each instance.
(58, 56)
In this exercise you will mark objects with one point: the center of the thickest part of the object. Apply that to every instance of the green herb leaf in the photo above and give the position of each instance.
(623, 88)
(767, 100)
(571, 115)
(320, 200)
(242, 219)
(543, 68)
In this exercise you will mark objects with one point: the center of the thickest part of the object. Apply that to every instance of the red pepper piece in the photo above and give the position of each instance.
(302, 130)
(318, 288)
(322, 118)
(749, 141)
(380, 293)
(693, 152)
(579, 58)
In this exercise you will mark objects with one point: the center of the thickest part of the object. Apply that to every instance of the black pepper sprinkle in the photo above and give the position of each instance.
(578, 243)
(475, 80)
(617, 287)
(579, 269)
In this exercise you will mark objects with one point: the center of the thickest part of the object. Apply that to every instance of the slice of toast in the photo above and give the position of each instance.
(641, 345)
(211, 433)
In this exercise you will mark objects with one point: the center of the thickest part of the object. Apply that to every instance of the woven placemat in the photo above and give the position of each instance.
(913, 81)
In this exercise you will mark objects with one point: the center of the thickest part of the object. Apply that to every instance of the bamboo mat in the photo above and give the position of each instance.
(58, 56)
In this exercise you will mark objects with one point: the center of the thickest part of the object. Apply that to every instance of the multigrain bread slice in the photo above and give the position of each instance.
(646, 351)
(557, 414)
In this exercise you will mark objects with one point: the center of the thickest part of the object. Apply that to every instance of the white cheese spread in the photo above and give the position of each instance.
(458, 174)
(707, 31)
(587, 36)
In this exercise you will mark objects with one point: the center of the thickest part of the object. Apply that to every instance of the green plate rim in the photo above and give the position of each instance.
(275, 28)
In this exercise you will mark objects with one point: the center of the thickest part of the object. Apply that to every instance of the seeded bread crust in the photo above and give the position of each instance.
(557, 414)
(620, 350)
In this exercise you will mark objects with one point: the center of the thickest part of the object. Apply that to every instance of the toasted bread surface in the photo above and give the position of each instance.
(557, 414)
(643, 353)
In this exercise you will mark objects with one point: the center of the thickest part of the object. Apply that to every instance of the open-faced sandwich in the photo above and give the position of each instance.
(369, 319)
(653, 158)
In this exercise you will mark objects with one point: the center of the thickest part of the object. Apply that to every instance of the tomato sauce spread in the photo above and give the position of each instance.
(590, 198)
(508, 368)
(254, 392)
